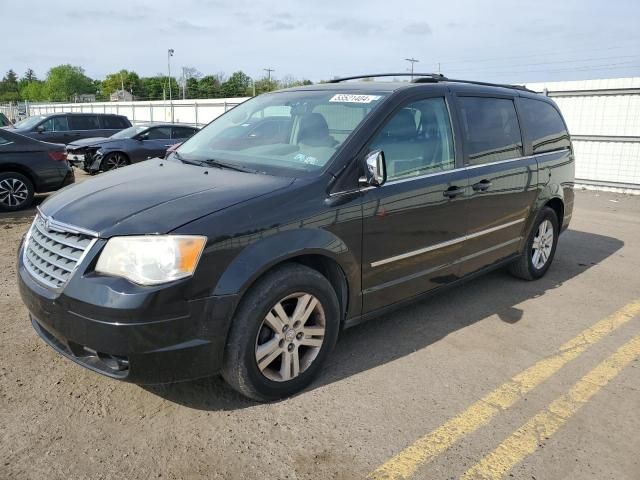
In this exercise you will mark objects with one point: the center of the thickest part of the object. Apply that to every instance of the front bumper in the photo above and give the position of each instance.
(144, 335)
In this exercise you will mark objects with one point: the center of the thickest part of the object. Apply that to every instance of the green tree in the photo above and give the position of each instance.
(65, 81)
(9, 89)
(237, 85)
(33, 91)
(115, 81)
(209, 87)
(30, 75)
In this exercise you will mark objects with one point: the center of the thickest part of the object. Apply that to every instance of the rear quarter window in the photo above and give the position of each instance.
(115, 123)
(83, 122)
(544, 126)
(491, 129)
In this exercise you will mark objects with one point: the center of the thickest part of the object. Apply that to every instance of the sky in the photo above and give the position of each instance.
(505, 41)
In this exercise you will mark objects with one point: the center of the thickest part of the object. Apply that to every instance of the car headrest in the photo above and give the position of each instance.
(313, 129)
(402, 125)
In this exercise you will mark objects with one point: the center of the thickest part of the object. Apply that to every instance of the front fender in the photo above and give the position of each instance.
(259, 257)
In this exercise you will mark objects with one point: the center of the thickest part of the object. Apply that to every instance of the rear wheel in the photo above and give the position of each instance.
(16, 191)
(540, 247)
(114, 160)
(282, 333)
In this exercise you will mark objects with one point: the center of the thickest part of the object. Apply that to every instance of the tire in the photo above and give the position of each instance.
(16, 191)
(253, 337)
(531, 266)
(114, 160)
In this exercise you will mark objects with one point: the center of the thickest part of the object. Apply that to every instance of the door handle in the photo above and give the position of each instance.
(482, 186)
(453, 192)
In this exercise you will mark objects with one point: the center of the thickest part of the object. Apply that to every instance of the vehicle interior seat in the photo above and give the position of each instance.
(400, 142)
(314, 131)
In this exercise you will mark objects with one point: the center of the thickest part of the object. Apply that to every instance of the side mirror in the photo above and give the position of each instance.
(375, 169)
(39, 129)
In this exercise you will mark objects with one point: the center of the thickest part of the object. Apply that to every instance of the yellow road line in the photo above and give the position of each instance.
(426, 448)
(544, 424)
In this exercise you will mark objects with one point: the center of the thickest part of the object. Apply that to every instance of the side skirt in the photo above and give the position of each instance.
(350, 322)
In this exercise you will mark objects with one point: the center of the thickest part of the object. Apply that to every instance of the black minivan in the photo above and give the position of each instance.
(67, 127)
(247, 259)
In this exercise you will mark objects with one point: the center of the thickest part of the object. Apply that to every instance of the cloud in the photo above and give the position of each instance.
(353, 27)
(419, 28)
(101, 15)
(278, 25)
(189, 27)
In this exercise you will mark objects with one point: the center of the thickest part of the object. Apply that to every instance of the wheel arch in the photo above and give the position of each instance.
(316, 249)
(21, 169)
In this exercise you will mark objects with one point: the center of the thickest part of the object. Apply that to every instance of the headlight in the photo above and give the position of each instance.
(151, 259)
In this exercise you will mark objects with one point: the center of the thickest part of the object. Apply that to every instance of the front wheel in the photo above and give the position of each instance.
(114, 160)
(282, 333)
(540, 247)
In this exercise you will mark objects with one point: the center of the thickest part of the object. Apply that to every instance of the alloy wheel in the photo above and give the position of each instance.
(13, 192)
(542, 244)
(115, 161)
(290, 337)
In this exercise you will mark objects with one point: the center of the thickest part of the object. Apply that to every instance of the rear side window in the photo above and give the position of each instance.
(491, 130)
(114, 123)
(55, 124)
(544, 126)
(182, 132)
(83, 122)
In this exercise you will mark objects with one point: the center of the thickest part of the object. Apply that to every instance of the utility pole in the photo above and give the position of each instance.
(184, 83)
(412, 61)
(169, 55)
(269, 70)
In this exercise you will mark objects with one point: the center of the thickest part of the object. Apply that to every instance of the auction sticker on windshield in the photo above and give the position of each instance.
(351, 98)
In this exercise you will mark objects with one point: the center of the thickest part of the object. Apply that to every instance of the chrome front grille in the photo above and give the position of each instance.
(52, 251)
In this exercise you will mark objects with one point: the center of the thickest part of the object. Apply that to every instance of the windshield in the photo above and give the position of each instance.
(283, 133)
(130, 132)
(30, 122)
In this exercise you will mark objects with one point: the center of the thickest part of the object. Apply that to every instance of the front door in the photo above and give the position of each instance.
(154, 143)
(502, 181)
(414, 224)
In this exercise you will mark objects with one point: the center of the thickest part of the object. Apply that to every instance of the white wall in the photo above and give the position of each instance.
(606, 113)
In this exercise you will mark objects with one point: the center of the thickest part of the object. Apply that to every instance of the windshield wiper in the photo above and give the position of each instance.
(230, 166)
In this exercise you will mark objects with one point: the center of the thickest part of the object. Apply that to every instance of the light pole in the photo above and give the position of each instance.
(412, 61)
(169, 55)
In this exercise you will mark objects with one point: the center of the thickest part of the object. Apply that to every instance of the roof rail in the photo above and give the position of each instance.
(431, 78)
(486, 84)
(434, 76)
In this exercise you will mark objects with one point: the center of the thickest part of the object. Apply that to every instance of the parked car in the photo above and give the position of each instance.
(68, 127)
(27, 167)
(131, 145)
(249, 261)
(4, 121)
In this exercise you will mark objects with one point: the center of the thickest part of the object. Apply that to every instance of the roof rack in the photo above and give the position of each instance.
(435, 76)
(430, 78)
(486, 84)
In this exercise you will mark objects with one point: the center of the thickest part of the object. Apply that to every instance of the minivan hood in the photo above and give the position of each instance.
(155, 196)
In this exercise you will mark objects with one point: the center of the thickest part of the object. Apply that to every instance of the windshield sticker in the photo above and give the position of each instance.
(351, 98)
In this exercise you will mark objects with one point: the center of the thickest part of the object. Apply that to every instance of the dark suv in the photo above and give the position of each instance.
(67, 127)
(249, 261)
